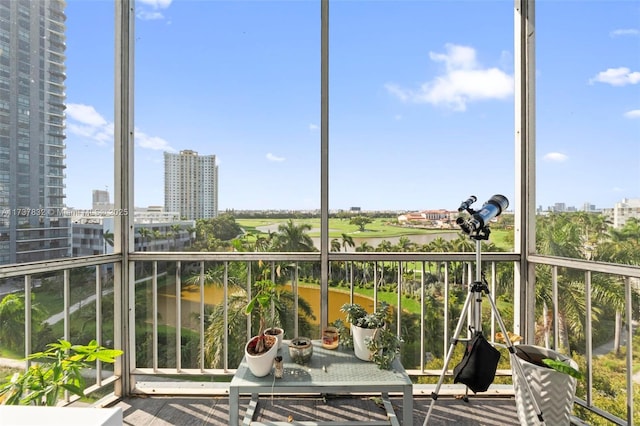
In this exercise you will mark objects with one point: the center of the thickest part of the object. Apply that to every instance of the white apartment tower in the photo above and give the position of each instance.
(32, 136)
(191, 184)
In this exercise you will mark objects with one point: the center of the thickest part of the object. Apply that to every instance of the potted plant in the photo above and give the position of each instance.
(552, 379)
(56, 370)
(372, 339)
(261, 349)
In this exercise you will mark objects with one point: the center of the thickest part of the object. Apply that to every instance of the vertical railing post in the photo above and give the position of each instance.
(524, 203)
(628, 301)
(588, 337)
(124, 273)
(27, 318)
(324, 162)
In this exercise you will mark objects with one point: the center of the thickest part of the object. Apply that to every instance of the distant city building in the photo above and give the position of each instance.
(32, 136)
(100, 200)
(559, 207)
(191, 184)
(622, 211)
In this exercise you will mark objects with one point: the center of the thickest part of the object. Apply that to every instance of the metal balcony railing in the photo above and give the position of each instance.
(174, 295)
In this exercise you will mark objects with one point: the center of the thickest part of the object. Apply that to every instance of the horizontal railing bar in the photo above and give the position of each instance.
(315, 256)
(31, 268)
(585, 265)
(183, 371)
(610, 417)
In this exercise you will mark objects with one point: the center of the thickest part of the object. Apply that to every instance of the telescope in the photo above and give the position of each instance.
(479, 219)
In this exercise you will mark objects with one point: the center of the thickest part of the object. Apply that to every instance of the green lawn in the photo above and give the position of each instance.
(379, 228)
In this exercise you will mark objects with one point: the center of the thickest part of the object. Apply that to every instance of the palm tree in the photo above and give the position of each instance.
(175, 232)
(364, 247)
(439, 245)
(461, 244)
(622, 247)
(263, 242)
(293, 238)
(107, 236)
(145, 235)
(385, 246)
(237, 321)
(157, 235)
(347, 241)
(405, 244)
(191, 230)
(563, 235)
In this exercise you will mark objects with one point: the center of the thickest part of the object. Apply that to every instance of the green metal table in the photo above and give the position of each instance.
(335, 371)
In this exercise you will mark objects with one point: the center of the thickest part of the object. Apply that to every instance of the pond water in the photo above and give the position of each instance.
(190, 303)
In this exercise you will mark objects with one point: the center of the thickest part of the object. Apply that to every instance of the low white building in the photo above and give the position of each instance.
(622, 211)
(155, 230)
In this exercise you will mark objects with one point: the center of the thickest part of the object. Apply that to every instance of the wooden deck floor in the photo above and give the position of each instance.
(187, 411)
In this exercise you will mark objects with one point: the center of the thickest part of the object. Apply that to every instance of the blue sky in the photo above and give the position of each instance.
(421, 100)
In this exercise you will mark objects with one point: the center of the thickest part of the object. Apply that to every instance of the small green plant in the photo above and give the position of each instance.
(57, 369)
(384, 344)
(266, 298)
(357, 315)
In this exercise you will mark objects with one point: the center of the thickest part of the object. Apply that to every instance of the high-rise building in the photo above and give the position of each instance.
(191, 184)
(32, 137)
(100, 200)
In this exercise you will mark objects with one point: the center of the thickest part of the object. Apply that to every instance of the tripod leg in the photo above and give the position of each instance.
(514, 361)
(454, 341)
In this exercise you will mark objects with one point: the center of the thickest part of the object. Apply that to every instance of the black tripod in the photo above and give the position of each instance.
(476, 289)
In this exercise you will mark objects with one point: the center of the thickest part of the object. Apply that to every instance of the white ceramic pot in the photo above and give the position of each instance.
(261, 365)
(279, 335)
(359, 335)
(554, 391)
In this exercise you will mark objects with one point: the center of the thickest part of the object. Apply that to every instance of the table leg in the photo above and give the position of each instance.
(407, 406)
(234, 405)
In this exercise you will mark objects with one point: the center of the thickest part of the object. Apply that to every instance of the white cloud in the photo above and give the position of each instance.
(87, 123)
(313, 127)
(555, 157)
(156, 4)
(624, 32)
(464, 81)
(634, 113)
(85, 114)
(152, 142)
(145, 14)
(272, 157)
(617, 77)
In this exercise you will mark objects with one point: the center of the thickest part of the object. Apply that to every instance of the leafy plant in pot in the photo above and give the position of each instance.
(372, 339)
(552, 378)
(55, 370)
(261, 349)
